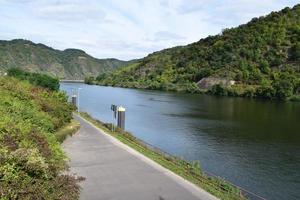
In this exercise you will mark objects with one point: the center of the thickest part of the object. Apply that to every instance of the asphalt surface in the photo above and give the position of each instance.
(114, 171)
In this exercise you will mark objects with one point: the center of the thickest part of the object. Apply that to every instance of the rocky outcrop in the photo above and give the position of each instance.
(209, 82)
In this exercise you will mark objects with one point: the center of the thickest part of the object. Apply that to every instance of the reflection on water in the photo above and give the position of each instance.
(252, 143)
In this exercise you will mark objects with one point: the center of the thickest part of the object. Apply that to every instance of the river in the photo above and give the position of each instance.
(252, 143)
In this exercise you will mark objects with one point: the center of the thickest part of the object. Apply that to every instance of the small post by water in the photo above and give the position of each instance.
(114, 115)
(121, 117)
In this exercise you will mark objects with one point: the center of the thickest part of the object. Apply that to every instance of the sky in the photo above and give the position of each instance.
(125, 29)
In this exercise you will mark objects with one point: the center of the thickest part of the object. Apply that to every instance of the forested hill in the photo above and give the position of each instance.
(262, 57)
(67, 64)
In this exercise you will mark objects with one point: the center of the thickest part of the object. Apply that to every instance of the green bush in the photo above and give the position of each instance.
(283, 88)
(89, 80)
(37, 79)
(295, 52)
(31, 159)
(219, 90)
(267, 92)
(295, 98)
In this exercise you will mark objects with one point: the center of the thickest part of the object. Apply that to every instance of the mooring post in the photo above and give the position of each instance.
(114, 116)
(121, 117)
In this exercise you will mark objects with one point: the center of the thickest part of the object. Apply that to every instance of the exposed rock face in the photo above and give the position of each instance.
(209, 82)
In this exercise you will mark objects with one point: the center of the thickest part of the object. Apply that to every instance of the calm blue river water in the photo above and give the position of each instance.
(254, 144)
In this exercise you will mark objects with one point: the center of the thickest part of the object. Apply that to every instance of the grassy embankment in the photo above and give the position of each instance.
(33, 121)
(189, 170)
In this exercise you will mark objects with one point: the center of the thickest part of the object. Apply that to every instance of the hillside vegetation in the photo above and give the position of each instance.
(36, 79)
(262, 56)
(32, 163)
(67, 64)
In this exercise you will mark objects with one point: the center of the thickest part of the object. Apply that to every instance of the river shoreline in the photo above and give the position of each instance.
(294, 98)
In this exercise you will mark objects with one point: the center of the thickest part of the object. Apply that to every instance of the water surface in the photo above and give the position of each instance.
(252, 143)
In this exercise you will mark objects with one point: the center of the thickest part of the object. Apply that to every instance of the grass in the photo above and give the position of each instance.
(67, 130)
(188, 170)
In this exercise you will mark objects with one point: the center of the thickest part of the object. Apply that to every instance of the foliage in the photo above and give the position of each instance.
(219, 90)
(256, 55)
(31, 159)
(191, 171)
(295, 52)
(67, 64)
(41, 80)
(89, 80)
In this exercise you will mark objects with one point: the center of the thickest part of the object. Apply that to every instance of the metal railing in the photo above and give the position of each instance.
(207, 176)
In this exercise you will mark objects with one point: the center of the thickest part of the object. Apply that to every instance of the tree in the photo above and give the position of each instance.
(264, 67)
(295, 52)
(267, 92)
(89, 80)
(219, 90)
(283, 88)
(101, 76)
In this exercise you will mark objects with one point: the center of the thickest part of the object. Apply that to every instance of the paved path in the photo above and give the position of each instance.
(114, 171)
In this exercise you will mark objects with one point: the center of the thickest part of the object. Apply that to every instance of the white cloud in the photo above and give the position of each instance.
(71, 11)
(125, 29)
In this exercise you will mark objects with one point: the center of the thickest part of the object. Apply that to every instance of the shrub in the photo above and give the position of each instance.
(89, 80)
(267, 92)
(284, 85)
(37, 79)
(295, 52)
(31, 159)
(219, 90)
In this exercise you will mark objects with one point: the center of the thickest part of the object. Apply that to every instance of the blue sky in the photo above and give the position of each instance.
(125, 29)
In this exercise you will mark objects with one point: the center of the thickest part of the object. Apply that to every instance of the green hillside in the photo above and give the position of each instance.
(32, 162)
(261, 58)
(67, 64)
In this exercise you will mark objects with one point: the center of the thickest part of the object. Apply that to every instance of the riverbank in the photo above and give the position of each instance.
(239, 90)
(189, 171)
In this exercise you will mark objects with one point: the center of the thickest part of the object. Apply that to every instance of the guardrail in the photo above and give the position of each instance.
(242, 192)
(245, 193)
